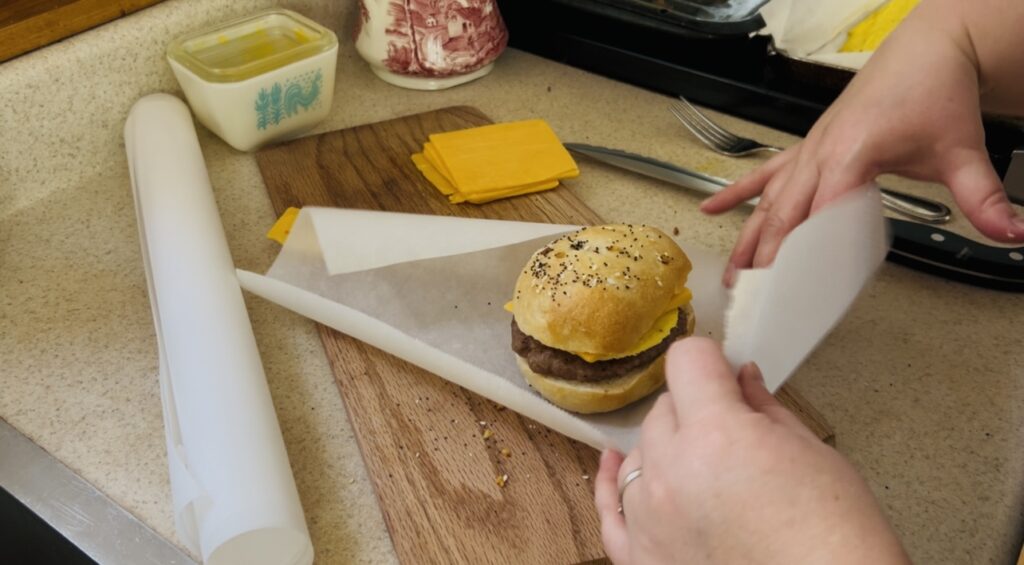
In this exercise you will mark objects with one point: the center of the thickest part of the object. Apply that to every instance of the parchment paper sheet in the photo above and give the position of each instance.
(431, 290)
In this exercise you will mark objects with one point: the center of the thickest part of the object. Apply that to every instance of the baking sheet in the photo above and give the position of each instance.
(815, 30)
(725, 11)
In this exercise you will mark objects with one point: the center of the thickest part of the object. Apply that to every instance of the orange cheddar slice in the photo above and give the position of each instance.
(496, 161)
(484, 197)
(283, 226)
(433, 175)
(432, 156)
(503, 155)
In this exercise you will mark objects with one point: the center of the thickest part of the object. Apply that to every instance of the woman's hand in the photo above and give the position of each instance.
(914, 110)
(730, 476)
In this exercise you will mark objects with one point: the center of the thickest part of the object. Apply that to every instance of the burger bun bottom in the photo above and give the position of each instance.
(600, 396)
(596, 397)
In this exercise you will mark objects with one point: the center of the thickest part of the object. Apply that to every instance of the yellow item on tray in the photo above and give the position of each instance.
(496, 161)
(869, 33)
(661, 328)
(283, 226)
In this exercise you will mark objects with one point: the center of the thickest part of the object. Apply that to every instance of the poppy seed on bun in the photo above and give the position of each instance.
(594, 312)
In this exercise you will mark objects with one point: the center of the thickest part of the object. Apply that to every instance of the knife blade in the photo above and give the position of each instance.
(654, 168)
(921, 247)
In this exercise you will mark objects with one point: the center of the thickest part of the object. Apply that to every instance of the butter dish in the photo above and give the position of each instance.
(258, 79)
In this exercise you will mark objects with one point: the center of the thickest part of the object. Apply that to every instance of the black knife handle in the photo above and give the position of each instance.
(948, 255)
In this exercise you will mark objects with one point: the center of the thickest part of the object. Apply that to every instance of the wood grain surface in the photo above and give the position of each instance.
(423, 439)
(30, 24)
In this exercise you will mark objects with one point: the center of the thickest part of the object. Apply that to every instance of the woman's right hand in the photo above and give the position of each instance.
(914, 110)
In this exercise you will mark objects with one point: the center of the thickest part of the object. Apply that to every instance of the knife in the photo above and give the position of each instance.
(922, 247)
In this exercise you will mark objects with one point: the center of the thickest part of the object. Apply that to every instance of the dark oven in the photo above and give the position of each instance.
(706, 50)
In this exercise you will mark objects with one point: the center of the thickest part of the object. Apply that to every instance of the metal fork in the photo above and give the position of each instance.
(727, 143)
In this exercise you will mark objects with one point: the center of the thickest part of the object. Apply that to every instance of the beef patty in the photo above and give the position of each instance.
(562, 364)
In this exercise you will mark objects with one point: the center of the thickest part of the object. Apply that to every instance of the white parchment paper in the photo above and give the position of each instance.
(431, 290)
(235, 501)
(778, 315)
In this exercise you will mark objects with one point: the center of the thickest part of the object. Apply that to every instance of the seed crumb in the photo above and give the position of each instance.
(500, 480)
(506, 452)
(488, 433)
(675, 231)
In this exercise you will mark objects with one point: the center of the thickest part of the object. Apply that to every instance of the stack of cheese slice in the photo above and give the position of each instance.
(497, 161)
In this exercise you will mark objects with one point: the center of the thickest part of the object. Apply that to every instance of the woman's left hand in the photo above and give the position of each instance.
(731, 476)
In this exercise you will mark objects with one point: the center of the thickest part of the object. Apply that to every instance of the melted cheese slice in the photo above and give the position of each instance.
(659, 331)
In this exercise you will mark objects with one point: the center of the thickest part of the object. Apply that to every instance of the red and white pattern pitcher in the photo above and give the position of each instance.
(430, 44)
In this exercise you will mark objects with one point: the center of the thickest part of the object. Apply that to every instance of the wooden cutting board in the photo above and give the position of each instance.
(423, 439)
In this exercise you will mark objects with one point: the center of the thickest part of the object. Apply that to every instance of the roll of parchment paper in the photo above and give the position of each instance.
(234, 495)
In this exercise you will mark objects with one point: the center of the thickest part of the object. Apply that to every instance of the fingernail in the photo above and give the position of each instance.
(729, 275)
(751, 370)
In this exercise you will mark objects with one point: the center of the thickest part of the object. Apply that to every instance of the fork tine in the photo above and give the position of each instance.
(699, 133)
(688, 113)
(708, 136)
(726, 134)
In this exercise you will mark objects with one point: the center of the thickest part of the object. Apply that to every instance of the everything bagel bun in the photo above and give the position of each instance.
(594, 312)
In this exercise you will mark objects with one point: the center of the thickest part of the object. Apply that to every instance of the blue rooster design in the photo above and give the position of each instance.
(280, 103)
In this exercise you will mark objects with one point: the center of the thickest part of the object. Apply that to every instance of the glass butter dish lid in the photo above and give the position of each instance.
(251, 46)
(259, 79)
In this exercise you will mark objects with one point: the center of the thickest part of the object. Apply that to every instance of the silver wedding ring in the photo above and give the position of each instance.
(630, 477)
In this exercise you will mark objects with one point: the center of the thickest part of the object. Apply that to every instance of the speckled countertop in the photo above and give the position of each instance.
(924, 380)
